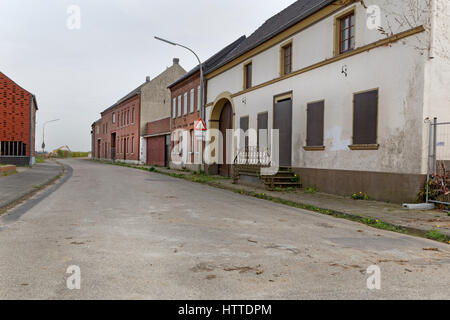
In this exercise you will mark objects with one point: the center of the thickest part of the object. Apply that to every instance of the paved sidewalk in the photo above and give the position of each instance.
(414, 220)
(17, 186)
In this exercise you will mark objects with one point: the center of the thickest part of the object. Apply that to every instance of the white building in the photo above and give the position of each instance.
(349, 84)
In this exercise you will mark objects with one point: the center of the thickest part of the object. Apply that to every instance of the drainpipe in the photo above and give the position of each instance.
(431, 54)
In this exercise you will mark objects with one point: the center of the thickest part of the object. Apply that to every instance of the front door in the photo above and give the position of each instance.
(282, 120)
(225, 122)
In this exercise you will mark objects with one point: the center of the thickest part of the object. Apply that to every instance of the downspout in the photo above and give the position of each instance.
(31, 131)
(433, 13)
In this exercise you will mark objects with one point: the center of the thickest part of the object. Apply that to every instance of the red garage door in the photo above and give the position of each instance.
(156, 151)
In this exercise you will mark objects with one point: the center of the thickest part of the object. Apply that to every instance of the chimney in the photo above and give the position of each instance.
(176, 61)
(147, 79)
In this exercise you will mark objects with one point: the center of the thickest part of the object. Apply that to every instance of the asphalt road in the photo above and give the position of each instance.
(140, 235)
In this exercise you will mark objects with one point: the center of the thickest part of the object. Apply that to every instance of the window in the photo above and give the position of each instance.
(132, 116)
(13, 148)
(114, 117)
(192, 140)
(199, 98)
(174, 108)
(365, 120)
(248, 75)
(315, 125)
(128, 116)
(179, 106)
(192, 96)
(132, 144)
(244, 125)
(286, 59)
(97, 129)
(263, 138)
(347, 33)
(185, 104)
(118, 119)
(128, 145)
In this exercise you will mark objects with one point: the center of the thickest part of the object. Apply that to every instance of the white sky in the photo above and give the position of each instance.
(76, 74)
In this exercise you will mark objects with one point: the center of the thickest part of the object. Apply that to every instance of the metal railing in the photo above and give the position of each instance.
(253, 156)
(438, 175)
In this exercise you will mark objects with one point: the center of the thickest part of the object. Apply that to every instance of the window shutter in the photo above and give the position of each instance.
(315, 124)
(365, 118)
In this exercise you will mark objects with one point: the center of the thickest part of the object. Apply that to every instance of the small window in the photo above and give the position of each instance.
(192, 96)
(315, 124)
(114, 117)
(248, 68)
(185, 104)
(286, 59)
(365, 118)
(174, 108)
(244, 125)
(132, 144)
(128, 116)
(132, 116)
(347, 33)
(179, 106)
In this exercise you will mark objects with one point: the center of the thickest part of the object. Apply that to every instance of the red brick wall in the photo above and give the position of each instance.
(15, 113)
(186, 122)
(126, 128)
(157, 127)
(155, 150)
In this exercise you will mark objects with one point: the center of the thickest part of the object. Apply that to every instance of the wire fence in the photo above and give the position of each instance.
(438, 178)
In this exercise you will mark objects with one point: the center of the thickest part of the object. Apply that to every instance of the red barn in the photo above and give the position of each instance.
(17, 123)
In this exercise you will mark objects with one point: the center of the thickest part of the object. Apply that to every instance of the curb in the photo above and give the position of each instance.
(13, 203)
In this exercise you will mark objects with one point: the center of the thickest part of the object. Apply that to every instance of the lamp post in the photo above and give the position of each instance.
(201, 72)
(43, 133)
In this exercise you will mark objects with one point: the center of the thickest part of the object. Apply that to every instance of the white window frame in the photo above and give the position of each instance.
(185, 104)
(179, 106)
(191, 108)
(174, 108)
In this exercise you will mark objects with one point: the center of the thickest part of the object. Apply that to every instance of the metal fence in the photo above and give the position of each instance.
(438, 177)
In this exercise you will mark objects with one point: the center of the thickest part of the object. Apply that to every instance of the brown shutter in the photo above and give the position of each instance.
(365, 118)
(263, 125)
(315, 124)
(244, 126)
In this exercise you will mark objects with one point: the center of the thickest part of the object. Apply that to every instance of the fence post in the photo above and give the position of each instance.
(430, 148)
(435, 146)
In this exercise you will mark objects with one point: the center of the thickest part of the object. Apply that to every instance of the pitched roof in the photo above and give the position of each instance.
(211, 62)
(290, 16)
(31, 94)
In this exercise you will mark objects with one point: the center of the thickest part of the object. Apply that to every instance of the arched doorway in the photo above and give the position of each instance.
(222, 118)
(225, 122)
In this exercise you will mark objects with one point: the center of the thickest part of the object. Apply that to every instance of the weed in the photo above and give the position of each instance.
(360, 196)
(438, 236)
(312, 190)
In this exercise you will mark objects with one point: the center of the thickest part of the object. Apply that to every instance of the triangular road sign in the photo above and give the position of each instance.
(200, 125)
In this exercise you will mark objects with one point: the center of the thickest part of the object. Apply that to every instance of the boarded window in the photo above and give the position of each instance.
(244, 124)
(185, 104)
(315, 124)
(365, 115)
(248, 75)
(174, 108)
(179, 106)
(192, 96)
(263, 130)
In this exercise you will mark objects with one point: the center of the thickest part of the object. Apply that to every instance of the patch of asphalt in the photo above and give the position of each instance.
(14, 214)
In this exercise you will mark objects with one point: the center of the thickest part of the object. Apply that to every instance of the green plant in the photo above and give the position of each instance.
(311, 190)
(360, 196)
(40, 160)
(435, 234)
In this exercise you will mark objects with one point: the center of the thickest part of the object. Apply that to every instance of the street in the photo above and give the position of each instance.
(142, 235)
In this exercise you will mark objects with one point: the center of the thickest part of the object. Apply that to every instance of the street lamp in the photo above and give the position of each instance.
(201, 72)
(43, 133)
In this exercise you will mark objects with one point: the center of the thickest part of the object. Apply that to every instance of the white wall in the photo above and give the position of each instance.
(397, 70)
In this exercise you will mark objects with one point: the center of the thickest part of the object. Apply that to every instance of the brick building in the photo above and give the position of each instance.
(123, 130)
(186, 112)
(17, 123)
